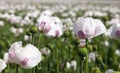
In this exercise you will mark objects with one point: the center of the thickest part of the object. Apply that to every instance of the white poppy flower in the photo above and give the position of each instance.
(109, 71)
(2, 65)
(47, 13)
(16, 31)
(54, 29)
(42, 21)
(117, 52)
(27, 57)
(68, 65)
(1, 23)
(106, 43)
(91, 56)
(27, 38)
(6, 59)
(51, 26)
(13, 51)
(45, 51)
(114, 31)
(88, 27)
(74, 64)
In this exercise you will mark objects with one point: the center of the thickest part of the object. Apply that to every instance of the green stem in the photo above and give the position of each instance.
(17, 69)
(34, 69)
(86, 64)
(82, 67)
(39, 41)
(57, 60)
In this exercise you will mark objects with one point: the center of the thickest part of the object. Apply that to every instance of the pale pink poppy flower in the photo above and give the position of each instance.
(114, 31)
(2, 65)
(51, 26)
(27, 57)
(27, 38)
(91, 56)
(6, 59)
(45, 51)
(47, 13)
(42, 21)
(16, 31)
(86, 28)
(74, 64)
(54, 28)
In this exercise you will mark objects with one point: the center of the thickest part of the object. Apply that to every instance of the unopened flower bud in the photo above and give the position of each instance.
(96, 70)
(82, 52)
(33, 29)
(99, 59)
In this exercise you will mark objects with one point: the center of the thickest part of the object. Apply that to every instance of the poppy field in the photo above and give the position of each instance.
(59, 37)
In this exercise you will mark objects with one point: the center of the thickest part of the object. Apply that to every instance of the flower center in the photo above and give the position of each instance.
(56, 33)
(118, 33)
(24, 61)
(81, 34)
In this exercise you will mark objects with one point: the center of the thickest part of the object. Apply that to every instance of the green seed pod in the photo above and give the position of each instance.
(99, 59)
(66, 33)
(90, 47)
(96, 70)
(95, 47)
(82, 52)
(33, 29)
(28, 33)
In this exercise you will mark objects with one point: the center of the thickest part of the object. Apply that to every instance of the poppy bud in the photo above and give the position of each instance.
(82, 52)
(96, 70)
(33, 29)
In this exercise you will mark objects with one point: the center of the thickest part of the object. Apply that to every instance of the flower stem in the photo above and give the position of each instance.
(17, 69)
(86, 64)
(82, 68)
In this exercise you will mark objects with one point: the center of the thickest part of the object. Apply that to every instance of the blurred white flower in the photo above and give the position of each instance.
(106, 43)
(47, 13)
(114, 31)
(2, 65)
(27, 57)
(91, 56)
(6, 59)
(88, 13)
(117, 52)
(88, 27)
(45, 51)
(16, 31)
(51, 26)
(113, 21)
(54, 29)
(109, 71)
(27, 38)
(68, 65)
(1, 23)
(15, 20)
(74, 64)
(42, 21)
